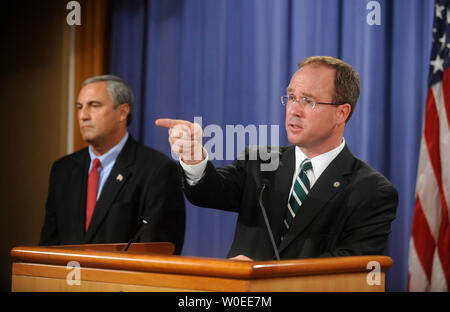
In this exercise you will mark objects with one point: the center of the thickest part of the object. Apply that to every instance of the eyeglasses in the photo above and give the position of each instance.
(304, 101)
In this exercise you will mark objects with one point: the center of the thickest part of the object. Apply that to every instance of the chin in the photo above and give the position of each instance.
(294, 139)
(295, 142)
(89, 138)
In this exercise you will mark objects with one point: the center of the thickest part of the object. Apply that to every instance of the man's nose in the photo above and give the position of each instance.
(83, 113)
(296, 110)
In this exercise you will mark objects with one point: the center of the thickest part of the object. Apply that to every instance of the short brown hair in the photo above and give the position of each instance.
(346, 81)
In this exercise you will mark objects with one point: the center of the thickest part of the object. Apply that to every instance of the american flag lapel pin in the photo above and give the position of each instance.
(119, 177)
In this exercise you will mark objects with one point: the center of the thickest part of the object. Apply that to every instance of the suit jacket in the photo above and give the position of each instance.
(149, 189)
(348, 211)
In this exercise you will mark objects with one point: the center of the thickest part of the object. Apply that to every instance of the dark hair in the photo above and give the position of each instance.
(119, 91)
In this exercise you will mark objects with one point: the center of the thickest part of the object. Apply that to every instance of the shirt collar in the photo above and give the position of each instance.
(110, 156)
(320, 162)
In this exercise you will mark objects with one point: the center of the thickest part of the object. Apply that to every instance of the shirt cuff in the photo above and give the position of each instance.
(195, 173)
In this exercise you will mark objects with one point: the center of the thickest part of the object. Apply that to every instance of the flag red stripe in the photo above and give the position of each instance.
(431, 133)
(444, 244)
(432, 137)
(408, 283)
(446, 91)
(435, 128)
(423, 239)
(444, 230)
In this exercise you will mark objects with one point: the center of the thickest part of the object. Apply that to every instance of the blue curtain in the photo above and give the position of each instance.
(228, 62)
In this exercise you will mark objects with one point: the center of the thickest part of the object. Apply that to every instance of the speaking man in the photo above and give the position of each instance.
(321, 201)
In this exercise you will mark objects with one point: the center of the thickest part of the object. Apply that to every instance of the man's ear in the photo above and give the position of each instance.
(124, 110)
(343, 112)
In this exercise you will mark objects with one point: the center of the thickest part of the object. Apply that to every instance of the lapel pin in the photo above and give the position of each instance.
(337, 184)
(119, 177)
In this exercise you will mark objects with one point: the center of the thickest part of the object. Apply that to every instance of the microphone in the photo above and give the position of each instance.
(137, 234)
(266, 220)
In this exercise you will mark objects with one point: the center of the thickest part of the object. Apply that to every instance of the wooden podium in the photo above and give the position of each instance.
(152, 267)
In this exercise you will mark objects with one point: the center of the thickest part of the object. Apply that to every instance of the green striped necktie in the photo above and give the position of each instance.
(299, 193)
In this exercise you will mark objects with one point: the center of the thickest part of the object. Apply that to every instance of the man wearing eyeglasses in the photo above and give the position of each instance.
(321, 201)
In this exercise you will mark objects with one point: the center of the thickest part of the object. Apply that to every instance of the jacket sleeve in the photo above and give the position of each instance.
(220, 188)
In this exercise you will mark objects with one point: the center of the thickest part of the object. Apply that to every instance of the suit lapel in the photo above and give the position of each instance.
(77, 199)
(331, 182)
(116, 180)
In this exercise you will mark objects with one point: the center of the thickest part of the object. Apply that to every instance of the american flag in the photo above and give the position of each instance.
(429, 252)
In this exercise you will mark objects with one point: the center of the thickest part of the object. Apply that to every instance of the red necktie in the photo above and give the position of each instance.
(91, 198)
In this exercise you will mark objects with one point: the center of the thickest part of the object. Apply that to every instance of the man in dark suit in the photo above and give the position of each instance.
(321, 201)
(102, 193)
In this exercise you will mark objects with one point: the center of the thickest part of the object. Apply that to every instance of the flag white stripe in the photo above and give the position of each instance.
(428, 191)
(432, 190)
(417, 277)
(444, 140)
(438, 282)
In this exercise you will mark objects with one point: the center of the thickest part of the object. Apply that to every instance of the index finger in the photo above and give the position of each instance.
(170, 123)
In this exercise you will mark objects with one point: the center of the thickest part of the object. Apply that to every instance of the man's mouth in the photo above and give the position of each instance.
(295, 126)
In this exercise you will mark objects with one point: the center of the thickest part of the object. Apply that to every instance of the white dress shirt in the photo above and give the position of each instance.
(319, 163)
(194, 173)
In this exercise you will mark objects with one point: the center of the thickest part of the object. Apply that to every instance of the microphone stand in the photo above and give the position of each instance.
(138, 233)
(266, 220)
